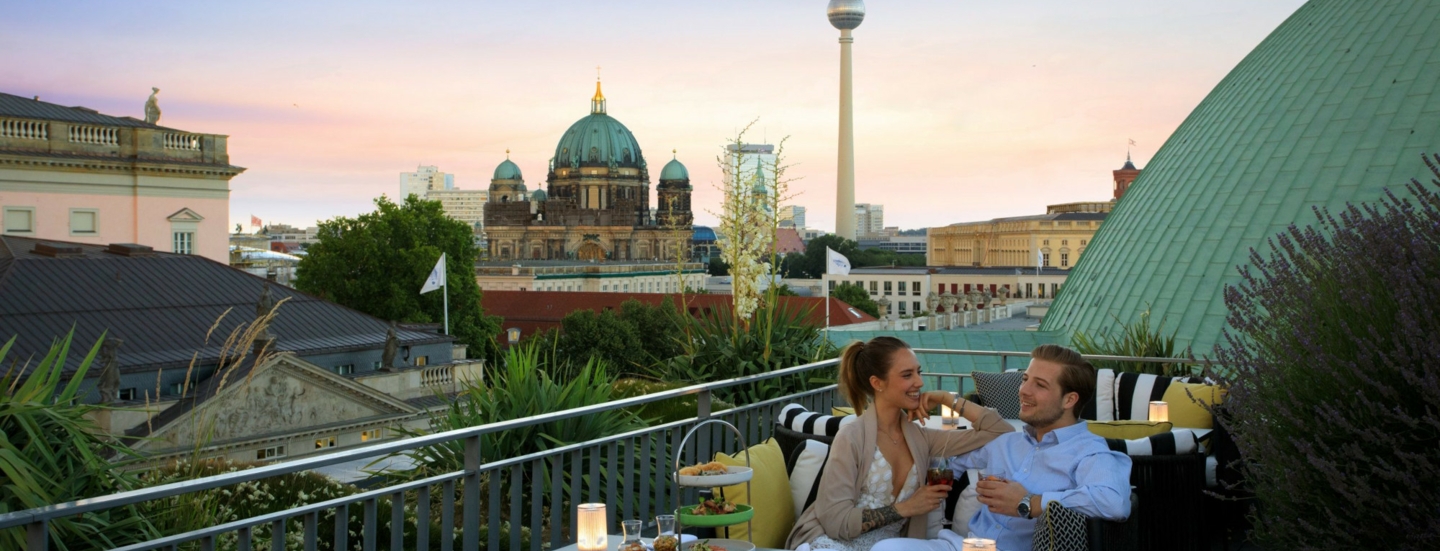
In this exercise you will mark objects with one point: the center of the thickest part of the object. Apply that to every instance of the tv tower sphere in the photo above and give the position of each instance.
(846, 14)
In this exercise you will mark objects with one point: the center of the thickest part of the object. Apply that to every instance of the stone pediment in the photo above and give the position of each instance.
(185, 215)
(284, 395)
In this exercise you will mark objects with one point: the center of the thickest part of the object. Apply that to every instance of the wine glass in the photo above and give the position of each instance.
(939, 473)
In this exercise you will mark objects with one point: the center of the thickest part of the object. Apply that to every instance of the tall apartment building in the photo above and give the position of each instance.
(747, 158)
(74, 174)
(465, 205)
(794, 214)
(424, 180)
(869, 220)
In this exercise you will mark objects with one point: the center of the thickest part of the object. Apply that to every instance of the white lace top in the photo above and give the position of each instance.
(875, 495)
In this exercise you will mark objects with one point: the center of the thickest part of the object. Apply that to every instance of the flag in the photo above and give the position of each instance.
(1039, 258)
(836, 263)
(436, 279)
(254, 221)
(1132, 142)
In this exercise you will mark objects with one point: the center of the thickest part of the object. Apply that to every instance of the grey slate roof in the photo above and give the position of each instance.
(162, 306)
(28, 108)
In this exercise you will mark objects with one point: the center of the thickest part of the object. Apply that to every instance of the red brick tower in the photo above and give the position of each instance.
(1124, 176)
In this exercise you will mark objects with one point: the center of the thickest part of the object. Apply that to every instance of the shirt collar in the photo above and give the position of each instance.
(1061, 434)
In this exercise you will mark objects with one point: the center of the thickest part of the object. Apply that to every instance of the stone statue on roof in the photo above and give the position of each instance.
(947, 302)
(152, 107)
(109, 384)
(932, 301)
(392, 346)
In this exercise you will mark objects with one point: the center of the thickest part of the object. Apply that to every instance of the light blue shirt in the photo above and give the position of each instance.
(1070, 465)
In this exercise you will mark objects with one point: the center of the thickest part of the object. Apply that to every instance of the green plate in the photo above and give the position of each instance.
(742, 513)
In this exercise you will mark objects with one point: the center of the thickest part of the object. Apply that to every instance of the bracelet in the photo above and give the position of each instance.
(961, 410)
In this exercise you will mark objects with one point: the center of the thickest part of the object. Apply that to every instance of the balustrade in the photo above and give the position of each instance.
(95, 135)
(187, 142)
(24, 130)
(437, 376)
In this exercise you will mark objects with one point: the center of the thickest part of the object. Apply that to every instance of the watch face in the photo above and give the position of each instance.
(1024, 508)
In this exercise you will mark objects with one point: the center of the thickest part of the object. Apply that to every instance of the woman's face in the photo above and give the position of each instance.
(901, 385)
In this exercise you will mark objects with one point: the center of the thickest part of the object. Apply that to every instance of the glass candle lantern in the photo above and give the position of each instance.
(1160, 412)
(591, 527)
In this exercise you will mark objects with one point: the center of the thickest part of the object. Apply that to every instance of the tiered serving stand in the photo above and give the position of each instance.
(743, 513)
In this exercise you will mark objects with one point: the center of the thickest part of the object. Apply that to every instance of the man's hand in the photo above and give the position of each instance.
(927, 498)
(1002, 497)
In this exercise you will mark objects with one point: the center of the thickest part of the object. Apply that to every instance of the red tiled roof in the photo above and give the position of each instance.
(787, 240)
(533, 311)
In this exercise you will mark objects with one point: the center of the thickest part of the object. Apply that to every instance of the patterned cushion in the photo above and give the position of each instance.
(1060, 529)
(1135, 391)
(795, 417)
(1176, 442)
(999, 391)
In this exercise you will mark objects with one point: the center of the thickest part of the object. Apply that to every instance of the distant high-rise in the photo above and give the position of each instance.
(869, 220)
(745, 159)
(425, 179)
(794, 214)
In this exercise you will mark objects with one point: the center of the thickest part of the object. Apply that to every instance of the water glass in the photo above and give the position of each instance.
(632, 536)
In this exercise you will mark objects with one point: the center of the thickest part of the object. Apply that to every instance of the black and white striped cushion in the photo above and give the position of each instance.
(795, 417)
(1135, 391)
(1176, 442)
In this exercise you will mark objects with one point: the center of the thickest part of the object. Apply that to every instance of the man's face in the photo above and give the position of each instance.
(1041, 401)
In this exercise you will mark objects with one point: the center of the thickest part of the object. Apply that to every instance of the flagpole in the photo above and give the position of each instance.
(825, 286)
(447, 292)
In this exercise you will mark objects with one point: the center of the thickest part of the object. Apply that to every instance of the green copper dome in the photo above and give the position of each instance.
(539, 195)
(1336, 104)
(507, 171)
(598, 140)
(674, 171)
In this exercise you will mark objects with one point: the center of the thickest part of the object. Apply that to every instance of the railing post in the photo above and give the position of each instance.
(37, 536)
(1002, 362)
(471, 510)
(702, 405)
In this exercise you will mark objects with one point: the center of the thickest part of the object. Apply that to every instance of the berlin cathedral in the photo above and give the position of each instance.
(598, 204)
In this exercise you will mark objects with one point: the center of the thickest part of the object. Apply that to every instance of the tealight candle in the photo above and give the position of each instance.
(979, 544)
(1159, 412)
(591, 527)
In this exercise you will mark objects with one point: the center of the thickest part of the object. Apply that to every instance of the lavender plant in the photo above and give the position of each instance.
(1334, 401)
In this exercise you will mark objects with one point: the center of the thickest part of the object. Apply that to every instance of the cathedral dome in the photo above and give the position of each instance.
(598, 140)
(539, 195)
(507, 171)
(674, 171)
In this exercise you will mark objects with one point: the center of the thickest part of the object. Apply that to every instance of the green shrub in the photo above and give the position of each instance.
(720, 346)
(664, 411)
(51, 452)
(1137, 339)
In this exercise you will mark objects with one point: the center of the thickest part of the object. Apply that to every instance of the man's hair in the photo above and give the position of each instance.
(1077, 375)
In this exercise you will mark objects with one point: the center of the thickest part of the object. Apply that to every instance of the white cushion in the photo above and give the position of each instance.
(807, 469)
(1105, 395)
(966, 506)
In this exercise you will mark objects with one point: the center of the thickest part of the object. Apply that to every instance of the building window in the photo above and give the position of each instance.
(19, 220)
(873, 286)
(1054, 289)
(1064, 259)
(1045, 242)
(1082, 242)
(1064, 242)
(421, 361)
(372, 434)
(271, 452)
(916, 306)
(902, 287)
(324, 442)
(377, 365)
(184, 242)
(901, 304)
(84, 221)
(345, 369)
(887, 288)
(126, 394)
(832, 285)
(1045, 260)
(1029, 290)
(177, 388)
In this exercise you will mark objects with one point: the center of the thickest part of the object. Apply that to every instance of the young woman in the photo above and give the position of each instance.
(874, 486)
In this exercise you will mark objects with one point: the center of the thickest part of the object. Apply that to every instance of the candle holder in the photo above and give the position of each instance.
(1160, 412)
(948, 417)
(591, 527)
(979, 544)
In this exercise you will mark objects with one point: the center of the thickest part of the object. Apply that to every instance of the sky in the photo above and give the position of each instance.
(964, 110)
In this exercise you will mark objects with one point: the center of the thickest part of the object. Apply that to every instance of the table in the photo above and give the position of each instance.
(614, 543)
(935, 422)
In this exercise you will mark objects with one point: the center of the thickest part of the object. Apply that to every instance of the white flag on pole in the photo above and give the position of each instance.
(436, 279)
(836, 263)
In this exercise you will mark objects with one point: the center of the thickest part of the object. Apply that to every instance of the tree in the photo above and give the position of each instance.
(377, 262)
(813, 264)
(718, 267)
(856, 296)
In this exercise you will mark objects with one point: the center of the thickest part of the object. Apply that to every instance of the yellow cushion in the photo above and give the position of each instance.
(1189, 412)
(841, 411)
(1129, 430)
(774, 508)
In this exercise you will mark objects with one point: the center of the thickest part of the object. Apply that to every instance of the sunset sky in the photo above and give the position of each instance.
(964, 110)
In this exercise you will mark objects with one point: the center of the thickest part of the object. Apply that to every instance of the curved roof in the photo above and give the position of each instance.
(1338, 103)
(674, 170)
(539, 195)
(507, 170)
(704, 233)
(598, 140)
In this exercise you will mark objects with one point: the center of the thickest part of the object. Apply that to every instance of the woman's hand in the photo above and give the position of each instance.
(928, 401)
(927, 498)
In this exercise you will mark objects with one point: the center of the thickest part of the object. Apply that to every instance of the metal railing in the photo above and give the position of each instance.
(628, 472)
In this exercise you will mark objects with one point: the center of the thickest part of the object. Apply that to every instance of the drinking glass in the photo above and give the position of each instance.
(632, 536)
(666, 540)
(939, 473)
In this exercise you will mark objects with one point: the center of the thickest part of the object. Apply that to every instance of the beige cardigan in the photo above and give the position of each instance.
(835, 512)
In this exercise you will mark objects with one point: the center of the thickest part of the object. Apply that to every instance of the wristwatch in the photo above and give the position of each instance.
(1024, 507)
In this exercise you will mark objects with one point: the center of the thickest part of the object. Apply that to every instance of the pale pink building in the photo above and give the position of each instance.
(73, 174)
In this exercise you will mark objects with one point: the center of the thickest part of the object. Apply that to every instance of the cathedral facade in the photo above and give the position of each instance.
(598, 203)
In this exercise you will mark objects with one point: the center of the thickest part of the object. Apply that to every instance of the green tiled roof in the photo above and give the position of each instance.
(1336, 104)
(993, 341)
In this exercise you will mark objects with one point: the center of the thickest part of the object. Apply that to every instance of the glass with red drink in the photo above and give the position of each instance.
(939, 473)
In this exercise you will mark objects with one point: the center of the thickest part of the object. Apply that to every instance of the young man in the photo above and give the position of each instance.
(1054, 459)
